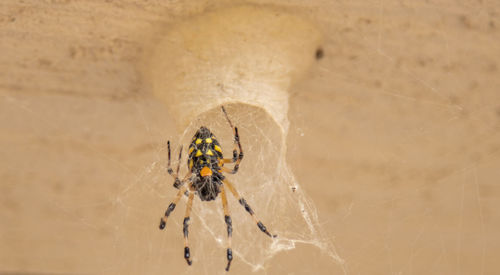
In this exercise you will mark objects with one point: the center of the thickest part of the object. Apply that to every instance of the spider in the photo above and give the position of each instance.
(205, 178)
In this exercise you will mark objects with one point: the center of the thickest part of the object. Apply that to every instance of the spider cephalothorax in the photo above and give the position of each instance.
(205, 178)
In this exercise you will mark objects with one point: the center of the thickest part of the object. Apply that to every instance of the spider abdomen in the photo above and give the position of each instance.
(205, 155)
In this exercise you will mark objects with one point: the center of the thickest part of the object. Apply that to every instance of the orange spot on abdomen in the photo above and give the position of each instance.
(205, 171)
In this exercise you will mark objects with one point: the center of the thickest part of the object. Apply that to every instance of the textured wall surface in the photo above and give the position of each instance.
(394, 135)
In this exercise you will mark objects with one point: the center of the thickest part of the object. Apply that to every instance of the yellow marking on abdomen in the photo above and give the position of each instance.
(217, 148)
(191, 150)
(198, 153)
(209, 152)
(208, 140)
(198, 141)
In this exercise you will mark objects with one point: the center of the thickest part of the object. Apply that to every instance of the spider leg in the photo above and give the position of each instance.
(185, 229)
(182, 183)
(229, 171)
(227, 218)
(237, 157)
(177, 182)
(171, 207)
(247, 207)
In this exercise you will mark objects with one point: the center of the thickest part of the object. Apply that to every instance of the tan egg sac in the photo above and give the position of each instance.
(244, 54)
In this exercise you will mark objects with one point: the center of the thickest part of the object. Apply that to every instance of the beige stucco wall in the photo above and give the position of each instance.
(394, 135)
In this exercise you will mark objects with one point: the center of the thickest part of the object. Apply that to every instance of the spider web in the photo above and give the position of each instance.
(394, 134)
(263, 179)
(193, 73)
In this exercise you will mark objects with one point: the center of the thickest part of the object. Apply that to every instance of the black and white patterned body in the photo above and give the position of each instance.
(205, 163)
